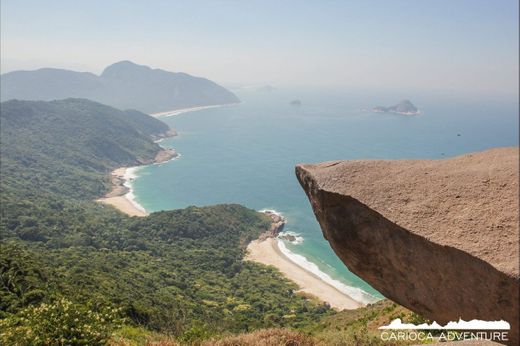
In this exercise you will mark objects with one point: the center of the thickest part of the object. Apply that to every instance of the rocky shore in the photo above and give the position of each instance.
(277, 225)
(117, 177)
(165, 155)
(167, 134)
(266, 250)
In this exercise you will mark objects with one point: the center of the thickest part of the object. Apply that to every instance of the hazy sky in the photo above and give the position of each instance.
(468, 45)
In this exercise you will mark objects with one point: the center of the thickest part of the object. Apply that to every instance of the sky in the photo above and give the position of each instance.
(450, 45)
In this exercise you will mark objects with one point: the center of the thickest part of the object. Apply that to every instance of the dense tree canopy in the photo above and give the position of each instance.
(180, 272)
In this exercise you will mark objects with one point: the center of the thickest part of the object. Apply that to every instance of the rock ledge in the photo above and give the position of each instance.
(437, 236)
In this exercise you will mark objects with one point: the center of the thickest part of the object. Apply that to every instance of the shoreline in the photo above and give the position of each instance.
(185, 110)
(266, 250)
(121, 196)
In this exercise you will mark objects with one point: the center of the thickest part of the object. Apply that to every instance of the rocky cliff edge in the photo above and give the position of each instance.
(437, 236)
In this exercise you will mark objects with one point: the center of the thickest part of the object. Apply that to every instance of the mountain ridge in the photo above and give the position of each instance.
(122, 85)
(86, 136)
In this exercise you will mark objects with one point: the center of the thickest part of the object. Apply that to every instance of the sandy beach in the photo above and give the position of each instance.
(123, 204)
(267, 252)
(264, 250)
(183, 110)
(120, 197)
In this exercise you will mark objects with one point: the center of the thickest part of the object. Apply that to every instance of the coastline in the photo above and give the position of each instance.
(268, 250)
(121, 196)
(185, 110)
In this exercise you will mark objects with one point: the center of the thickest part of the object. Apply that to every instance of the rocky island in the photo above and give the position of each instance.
(439, 237)
(404, 107)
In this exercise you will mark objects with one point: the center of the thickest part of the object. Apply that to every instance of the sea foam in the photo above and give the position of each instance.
(178, 156)
(355, 293)
(298, 239)
(131, 174)
(272, 211)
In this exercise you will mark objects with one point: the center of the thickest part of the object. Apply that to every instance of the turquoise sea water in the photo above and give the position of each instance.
(246, 153)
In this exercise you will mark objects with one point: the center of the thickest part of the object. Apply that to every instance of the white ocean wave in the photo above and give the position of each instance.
(354, 292)
(298, 239)
(131, 174)
(178, 156)
(272, 211)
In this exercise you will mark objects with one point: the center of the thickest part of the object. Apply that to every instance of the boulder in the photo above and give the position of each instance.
(439, 237)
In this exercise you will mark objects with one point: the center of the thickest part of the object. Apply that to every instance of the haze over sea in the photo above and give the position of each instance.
(246, 153)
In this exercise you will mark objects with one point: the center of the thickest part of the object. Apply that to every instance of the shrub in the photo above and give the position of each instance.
(266, 337)
(59, 323)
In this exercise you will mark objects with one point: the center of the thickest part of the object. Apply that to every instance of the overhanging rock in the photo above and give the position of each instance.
(439, 237)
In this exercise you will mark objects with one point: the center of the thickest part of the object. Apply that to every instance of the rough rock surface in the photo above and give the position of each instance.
(277, 225)
(437, 236)
(165, 155)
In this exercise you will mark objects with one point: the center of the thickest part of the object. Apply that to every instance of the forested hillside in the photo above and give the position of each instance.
(66, 146)
(75, 272)
(178, 272)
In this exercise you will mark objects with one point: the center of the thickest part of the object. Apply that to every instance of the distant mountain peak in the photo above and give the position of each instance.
(123, 68)
(124, 85)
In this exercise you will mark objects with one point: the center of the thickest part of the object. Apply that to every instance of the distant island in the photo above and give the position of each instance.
(404, 107)
(296, 103)
(124, 85)
(267, 88)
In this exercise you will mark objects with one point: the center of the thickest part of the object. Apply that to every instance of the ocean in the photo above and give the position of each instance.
(246, 153)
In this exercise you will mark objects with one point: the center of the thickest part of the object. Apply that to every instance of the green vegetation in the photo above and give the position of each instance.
(61, 322)
(347, 328)
(122, 85)
(265, 337)
(76, 272)
(65, 147)
(178, 272)
(360, 326)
